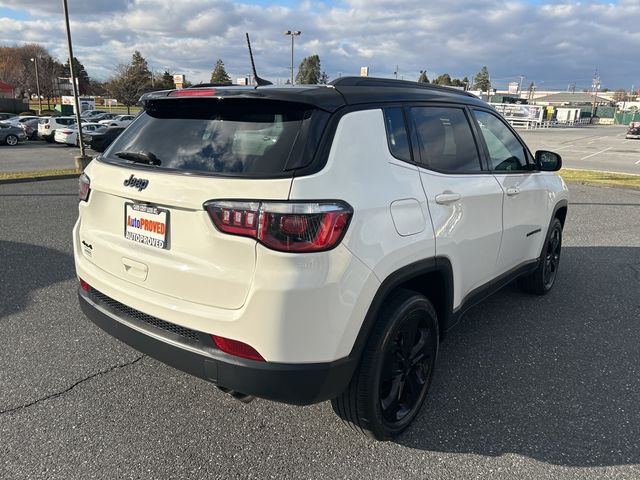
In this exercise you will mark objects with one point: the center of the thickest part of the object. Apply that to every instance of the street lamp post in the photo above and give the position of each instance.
(293, 34)
(82, 161)
(35, 62)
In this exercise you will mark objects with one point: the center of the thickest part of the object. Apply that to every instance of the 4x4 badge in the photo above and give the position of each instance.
(139, 183)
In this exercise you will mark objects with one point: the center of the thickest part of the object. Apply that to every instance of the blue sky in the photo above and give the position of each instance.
(551, 43)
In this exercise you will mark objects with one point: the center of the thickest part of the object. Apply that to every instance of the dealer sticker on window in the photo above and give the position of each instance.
(146, 224)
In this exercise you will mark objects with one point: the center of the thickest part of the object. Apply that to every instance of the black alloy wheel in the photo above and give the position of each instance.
(552, 258)
(542, 279)
(406, 368)
(391, 383)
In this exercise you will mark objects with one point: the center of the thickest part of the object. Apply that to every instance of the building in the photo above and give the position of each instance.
(570, 98)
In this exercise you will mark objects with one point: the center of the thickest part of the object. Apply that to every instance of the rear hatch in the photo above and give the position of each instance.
(145, 220)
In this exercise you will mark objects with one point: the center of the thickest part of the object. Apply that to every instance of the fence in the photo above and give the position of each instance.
(625, 118)
(13, 105)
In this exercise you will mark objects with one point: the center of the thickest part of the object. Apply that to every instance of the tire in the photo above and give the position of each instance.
(542, 279)
(393, 378)
(11, 140)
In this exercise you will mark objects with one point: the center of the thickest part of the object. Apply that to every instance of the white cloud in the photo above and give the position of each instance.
(557, 43)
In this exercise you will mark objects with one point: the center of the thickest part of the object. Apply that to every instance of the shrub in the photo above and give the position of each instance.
(28, 112)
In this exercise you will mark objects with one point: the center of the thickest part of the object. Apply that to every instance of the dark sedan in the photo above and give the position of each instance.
(10, 134)
(101, 139)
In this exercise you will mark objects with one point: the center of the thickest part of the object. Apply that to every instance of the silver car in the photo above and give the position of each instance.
(10, 134)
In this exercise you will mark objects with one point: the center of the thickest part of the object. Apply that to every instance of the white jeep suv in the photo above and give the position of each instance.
(313, 243)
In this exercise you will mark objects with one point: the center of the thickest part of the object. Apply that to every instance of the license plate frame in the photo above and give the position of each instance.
(145, 228)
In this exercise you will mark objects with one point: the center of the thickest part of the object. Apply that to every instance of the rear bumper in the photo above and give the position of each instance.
(299, 384)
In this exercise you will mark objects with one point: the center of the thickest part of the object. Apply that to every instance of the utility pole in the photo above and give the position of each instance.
(35, 61)
(596, 86)
(82, 161)
(293, 33)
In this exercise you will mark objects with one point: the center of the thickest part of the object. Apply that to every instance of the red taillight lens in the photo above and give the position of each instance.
(46, 127)
(84, 285)
(66, 132)
(236, 348)
(196, 92)
(284, 226)
(84, 184)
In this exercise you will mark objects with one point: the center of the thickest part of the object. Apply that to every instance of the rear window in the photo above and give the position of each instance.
(211, 136)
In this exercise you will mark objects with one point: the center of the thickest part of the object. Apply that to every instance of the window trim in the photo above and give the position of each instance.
(529, 157)
(414, 136)
(400, 107)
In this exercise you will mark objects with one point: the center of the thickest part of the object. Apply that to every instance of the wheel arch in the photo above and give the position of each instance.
(432, 277)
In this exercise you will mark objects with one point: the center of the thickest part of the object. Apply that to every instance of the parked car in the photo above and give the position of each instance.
(103, 116)
(92, 113)
(29, 123)
(313, 244)
(47, 126)
(11, 134)
(6, 116)
(119, 121)
(69, 135)
(634, 131)
(101, 139)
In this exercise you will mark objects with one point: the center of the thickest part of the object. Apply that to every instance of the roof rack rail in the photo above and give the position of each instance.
(199, 85)
(390, 82)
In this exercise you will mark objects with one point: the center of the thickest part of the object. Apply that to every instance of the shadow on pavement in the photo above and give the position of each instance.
(24, 268)
(556, 378)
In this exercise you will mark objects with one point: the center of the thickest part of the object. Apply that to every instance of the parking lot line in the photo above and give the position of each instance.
(597, 153)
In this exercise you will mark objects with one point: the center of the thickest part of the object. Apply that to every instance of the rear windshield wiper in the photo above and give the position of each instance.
(139, 157)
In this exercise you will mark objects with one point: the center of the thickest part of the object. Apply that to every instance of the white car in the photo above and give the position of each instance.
(47, 126)
(69, 135)
(313, 244)
(119, 121)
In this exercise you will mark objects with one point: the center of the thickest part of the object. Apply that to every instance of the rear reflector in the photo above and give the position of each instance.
(236, 348)
(84, 285)
(284, 226)
(195, 92)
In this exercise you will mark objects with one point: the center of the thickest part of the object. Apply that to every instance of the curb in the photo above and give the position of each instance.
(39, 179)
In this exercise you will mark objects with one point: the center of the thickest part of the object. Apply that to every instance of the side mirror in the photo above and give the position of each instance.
(548, 161)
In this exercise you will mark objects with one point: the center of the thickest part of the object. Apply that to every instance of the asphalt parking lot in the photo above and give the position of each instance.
(597, 147)
(35, 155)
(526, 387)
(591, 147)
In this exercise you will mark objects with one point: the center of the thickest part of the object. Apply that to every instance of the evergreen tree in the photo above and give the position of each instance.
(167, 80)
(423, 77)
(309, 71)
(482, 81)
(219, 74)
(444, 79)
(84, 82)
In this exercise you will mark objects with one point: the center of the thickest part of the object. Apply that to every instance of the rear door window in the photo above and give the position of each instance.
(231, 137)
(445, 140)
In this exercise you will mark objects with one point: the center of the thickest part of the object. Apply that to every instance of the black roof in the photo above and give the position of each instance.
(340, 92)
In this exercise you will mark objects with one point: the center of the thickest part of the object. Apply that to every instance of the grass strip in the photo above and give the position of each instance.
(592, 177)
(37, 174)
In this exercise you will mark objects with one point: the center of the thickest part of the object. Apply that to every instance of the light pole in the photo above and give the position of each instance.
(596, 86)
(293, 34)
(35, 62)
(82, 161)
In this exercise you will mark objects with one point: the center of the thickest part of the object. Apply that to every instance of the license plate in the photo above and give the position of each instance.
(146, 224)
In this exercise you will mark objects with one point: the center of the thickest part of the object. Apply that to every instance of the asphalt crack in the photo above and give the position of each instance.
(71, 387)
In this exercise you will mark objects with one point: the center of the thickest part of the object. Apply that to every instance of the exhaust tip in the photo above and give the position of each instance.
(241, 397)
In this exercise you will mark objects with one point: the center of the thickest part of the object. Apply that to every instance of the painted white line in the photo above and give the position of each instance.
(597, 153)
(561, 148)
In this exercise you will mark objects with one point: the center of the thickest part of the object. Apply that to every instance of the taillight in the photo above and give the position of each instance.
(84, 184)
(46, 127)
(84, 285)
(284, 226)
(237, 348)
(66, 132)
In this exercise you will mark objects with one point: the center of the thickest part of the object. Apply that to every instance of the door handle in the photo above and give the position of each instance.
(512, 191)
(447, 197)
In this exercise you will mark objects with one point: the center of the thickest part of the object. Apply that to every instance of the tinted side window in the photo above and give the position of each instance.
(445, 139)
(505, 151)
(397, 133)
